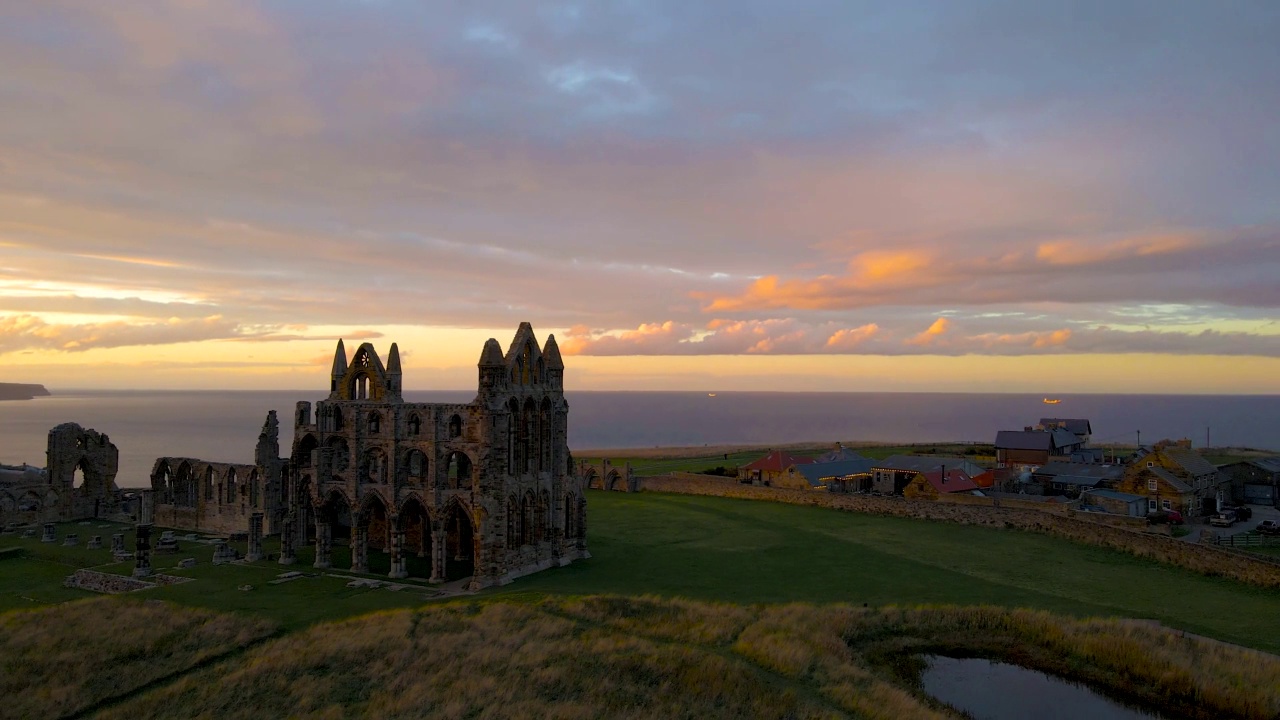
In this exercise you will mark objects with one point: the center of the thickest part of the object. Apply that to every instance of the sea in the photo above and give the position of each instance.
(223, 426)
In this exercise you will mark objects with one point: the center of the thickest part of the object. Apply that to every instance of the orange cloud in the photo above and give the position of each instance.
(1075, 252)
(1035, 340)
(849, 338)
(935, 331)
(869, 273)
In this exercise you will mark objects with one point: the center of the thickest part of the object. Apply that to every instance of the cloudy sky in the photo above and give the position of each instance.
(1050, 196)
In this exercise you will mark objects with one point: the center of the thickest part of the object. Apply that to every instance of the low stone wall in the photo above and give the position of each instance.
(1208, 560)
(101, 582)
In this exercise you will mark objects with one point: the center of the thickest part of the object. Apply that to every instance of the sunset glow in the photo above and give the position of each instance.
(954, 196)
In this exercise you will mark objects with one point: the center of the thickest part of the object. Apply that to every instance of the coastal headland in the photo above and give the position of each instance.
(22, 391)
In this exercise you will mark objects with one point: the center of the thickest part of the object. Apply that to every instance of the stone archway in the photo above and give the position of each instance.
(459, 543)
(418, 545)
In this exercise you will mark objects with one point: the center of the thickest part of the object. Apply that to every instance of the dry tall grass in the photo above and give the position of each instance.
(63, 659)
(646, 658)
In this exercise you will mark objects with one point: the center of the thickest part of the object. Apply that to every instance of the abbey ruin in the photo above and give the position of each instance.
(78, 482)
(485, 489)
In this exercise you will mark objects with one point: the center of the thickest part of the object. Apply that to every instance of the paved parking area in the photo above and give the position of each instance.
(1260, 513)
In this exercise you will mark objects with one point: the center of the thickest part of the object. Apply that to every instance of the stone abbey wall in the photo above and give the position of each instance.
(78, 482)
(484, 488)
(1208, 560)
(216, 497)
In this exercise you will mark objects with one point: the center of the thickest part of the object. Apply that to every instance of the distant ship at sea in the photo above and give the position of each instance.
(1052, 401)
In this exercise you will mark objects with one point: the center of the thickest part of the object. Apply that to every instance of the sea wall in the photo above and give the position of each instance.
(1205, 559)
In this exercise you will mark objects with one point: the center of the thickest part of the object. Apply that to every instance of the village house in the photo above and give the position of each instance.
(1256, 480)
(1173, 478)
(1114, 502)
(852, 474)
(1031, 448)
(1070, 479)
(892, 474)
(929, 485)
(777, 469)
(1079, 427)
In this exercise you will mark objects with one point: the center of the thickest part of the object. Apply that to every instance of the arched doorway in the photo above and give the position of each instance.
(417, 538)
(374, 517)
(459, 544)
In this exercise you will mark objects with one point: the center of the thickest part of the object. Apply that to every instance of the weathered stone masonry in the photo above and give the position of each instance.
(484, 489)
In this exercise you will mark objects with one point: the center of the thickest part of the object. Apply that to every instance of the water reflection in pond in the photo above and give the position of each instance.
(999, 691)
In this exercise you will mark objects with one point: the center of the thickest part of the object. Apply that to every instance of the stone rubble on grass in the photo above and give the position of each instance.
(187, 563)
(95, 543)
(50, 533)
(72, 540)
(223, 553)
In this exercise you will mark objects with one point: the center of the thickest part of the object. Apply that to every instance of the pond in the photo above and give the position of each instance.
(990, 690)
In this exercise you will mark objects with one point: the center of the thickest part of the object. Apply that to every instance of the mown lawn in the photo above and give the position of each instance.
(744, 552)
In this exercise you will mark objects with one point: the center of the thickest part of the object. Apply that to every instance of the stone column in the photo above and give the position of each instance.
(398, 565)
(438, 556)
(323, 539)
(360, 548)
(50, 533)
(142, 555)
(287, 553)
(254, 553)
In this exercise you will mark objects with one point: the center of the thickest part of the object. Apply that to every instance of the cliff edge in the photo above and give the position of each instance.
(22, 391)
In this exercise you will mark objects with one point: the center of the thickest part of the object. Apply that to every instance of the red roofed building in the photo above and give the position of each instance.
(774, 469)
(985, 480)
(929, 485)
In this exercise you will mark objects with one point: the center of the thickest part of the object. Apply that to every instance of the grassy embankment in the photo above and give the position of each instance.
(609, 656)
(60, 660)
(746, 552)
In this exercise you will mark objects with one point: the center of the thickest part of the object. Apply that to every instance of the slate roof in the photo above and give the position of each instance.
(777, 461)
(1099, 472)
(818, 471)
(1178, 483)
(1048, 440)
(1191, 461)
(1270, 464)
(924, 463)
(1077, 426)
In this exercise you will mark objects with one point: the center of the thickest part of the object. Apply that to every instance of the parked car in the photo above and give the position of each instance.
(1242, 513)
(1223, 519)
(1169, 517)
(1269, 527)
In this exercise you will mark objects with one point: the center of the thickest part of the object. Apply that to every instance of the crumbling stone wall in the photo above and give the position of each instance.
(1208, 560)
(87, 457)
(194, 494)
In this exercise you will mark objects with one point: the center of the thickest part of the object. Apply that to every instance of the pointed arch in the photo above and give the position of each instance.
(414, 424)
(458, 470)
(210, 482)
(374, 422)
(460, 535)
(373, 466)
(254, 488)
(185, 493)
(306, 447)
(230, 486)
(416, 465)
(570, 515)
(455, 426)
(513, 522)
(544, 516)
(341, 453)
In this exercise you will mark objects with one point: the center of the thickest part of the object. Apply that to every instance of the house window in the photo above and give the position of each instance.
(1166, 505)
(1150, 464)
(1151, 485)
(1151, 505)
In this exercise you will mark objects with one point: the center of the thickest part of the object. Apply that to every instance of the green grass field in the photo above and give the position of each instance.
(693, 462)
(743, 552)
